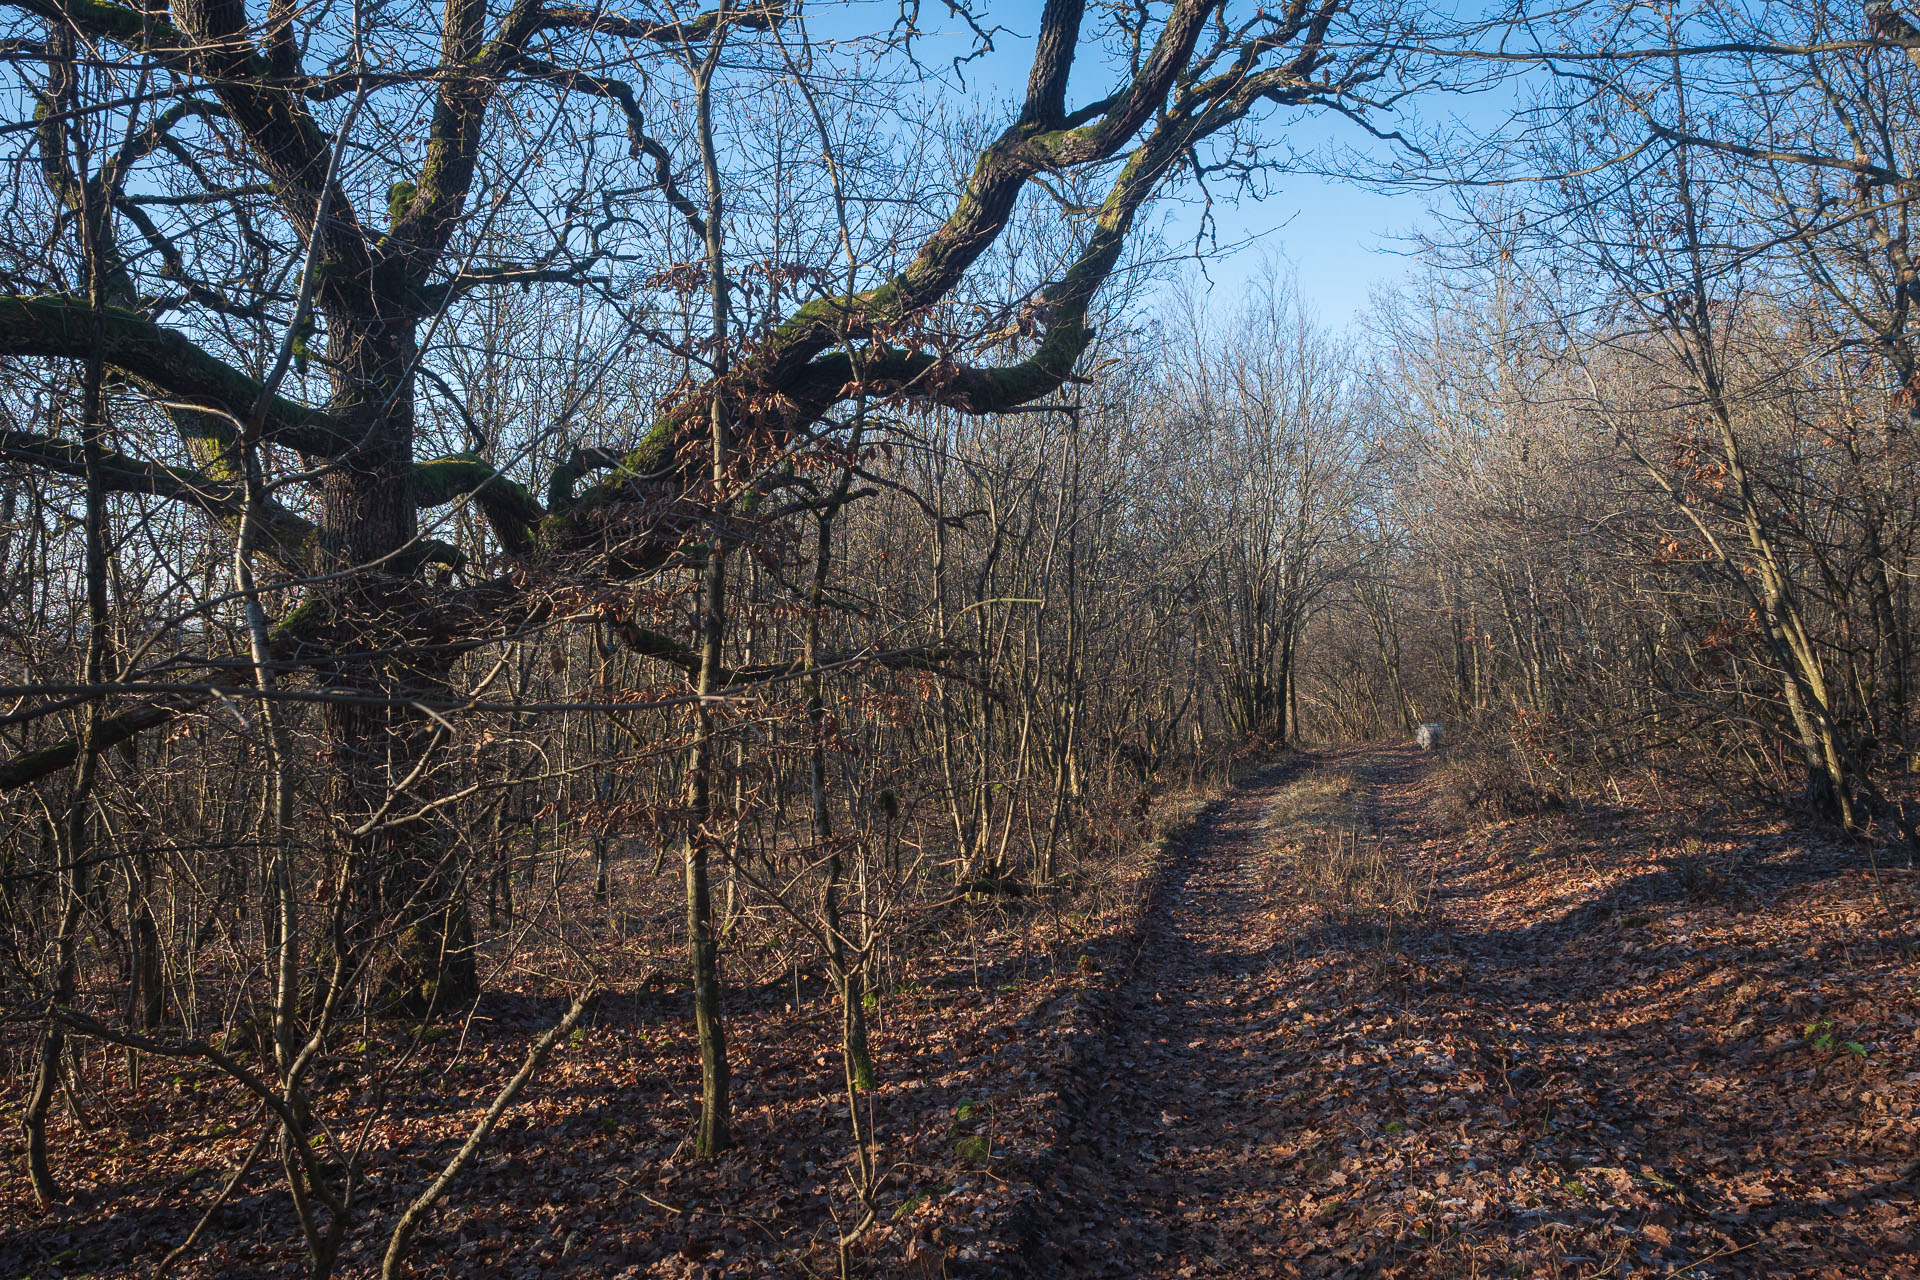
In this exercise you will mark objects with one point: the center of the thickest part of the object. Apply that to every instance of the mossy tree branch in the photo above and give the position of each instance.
(170, 366)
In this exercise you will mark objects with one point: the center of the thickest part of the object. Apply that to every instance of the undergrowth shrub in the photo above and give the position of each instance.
(1488, 784)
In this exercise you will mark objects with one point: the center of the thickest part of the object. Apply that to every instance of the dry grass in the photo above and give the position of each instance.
(1326, 851)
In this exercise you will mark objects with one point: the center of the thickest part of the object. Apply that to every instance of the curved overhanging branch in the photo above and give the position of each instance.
(1034, 144)
(172, 367)
(811, 361)
(801, 395)
(692, 32)
(936, 379)
(285, 537)
(510, 510)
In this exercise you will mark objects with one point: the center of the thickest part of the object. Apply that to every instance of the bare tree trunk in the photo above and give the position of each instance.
(715, 1130)
(847, 964)
(75, 851)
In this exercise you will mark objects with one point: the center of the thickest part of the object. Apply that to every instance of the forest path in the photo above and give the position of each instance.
(1169, 1171)
(1560, 1047)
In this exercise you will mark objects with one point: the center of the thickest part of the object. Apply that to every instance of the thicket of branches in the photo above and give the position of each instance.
(1650, 501)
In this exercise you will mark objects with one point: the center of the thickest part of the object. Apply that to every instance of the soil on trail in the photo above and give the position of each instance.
(1579, 1045)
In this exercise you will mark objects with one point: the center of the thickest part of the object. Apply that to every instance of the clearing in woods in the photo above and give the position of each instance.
(1360, 1040)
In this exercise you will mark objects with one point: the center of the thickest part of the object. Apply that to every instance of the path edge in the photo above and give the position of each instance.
(1010, 1241)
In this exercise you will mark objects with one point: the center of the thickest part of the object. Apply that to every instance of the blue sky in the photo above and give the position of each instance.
(1341, 240)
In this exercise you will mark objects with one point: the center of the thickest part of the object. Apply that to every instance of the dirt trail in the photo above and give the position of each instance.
(1574, 1061)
